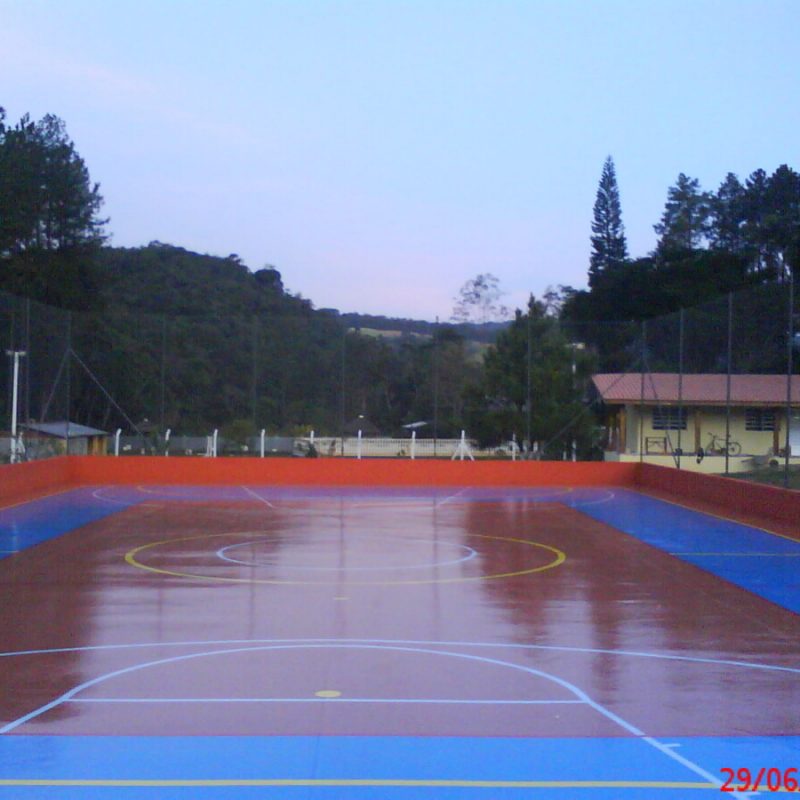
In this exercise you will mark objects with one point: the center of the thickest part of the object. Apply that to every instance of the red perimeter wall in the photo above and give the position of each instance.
(344, 472)
(728, 496)
(731, 496)
(19, 482)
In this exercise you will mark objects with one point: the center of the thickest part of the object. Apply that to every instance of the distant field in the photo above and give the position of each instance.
(475, 350)
(391, 334)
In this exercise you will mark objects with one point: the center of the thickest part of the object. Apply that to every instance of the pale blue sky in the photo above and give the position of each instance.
(382, 153)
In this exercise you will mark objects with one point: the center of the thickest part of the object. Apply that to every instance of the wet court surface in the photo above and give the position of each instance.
(256, 642)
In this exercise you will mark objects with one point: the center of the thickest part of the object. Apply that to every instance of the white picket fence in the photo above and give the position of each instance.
(384, 447)
(325, 447)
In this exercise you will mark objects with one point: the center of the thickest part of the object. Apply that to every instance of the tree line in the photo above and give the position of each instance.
(192, 342)
(743, 237)
(50, 224)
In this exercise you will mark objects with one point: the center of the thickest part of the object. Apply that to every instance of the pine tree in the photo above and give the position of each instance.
(609, 247)
(47, 201)
(50, 230)
(782, 222)
(684, 223)
(726, 231)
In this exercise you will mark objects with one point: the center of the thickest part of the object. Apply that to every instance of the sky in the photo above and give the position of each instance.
(380, 154)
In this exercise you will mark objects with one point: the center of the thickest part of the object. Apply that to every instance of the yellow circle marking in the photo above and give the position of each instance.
(327, 693)
(559, 557)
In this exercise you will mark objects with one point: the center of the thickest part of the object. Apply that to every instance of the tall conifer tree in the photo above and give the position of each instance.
(609, 247)
(684, 223)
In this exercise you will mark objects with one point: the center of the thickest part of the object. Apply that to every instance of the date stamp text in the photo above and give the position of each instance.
(766, 779)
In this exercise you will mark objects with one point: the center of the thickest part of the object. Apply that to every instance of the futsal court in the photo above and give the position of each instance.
(285, 638)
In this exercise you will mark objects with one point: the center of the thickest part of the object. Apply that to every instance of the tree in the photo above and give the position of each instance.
(727, 217)
(755, 210)
(684, 223)
(478, 300)
(771, 222)
(782, 222)
(431, 377)
(50, 231)
(609, 246)
(269, 277)
(533, 361)
(554, 299)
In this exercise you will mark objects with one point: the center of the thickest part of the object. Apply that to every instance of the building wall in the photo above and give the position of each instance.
(710, 465)
(701, 423)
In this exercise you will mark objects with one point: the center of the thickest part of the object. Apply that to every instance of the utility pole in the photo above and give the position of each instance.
(16, 355)
(789, 360)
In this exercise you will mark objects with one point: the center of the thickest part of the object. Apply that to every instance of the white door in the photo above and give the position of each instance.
(794, 434)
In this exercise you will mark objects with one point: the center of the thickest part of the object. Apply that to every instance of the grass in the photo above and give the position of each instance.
(774, 476)
(375, 333)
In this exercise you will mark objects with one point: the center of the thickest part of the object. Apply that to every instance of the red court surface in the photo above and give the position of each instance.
(415, 615)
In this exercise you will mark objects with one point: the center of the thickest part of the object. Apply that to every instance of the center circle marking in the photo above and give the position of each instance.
(471, 553)
(133, 559)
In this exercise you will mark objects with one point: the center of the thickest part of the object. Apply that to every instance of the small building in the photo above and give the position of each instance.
(654, 417)
(50, 438)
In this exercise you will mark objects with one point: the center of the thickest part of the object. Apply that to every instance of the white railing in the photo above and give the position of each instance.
(384, 447)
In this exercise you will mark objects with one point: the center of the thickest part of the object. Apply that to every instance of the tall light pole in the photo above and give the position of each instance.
(575, 346)
(789, 360)
(16, 355)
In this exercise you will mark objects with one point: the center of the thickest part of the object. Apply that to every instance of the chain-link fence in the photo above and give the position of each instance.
(712, 387)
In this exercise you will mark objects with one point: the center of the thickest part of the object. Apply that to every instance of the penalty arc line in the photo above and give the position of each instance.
(258, 496)
(426, 642)
(571, 688)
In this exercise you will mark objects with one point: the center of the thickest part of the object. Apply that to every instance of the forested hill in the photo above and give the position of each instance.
(165, 279)
(191, 342)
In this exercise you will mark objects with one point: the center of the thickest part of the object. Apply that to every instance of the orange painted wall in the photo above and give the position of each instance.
(732, 496)
(24, 481)
(345, 472)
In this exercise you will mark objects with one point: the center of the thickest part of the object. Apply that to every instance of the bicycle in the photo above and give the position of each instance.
(717, 446)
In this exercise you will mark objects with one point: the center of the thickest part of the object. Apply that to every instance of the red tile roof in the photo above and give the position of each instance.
(662, 387)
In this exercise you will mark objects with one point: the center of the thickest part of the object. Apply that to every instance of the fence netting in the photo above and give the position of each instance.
(671, 387)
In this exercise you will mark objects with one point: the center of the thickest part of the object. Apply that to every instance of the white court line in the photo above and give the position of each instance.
(161, 494)
(738, 555)
(411, 501)
(37, 498)
(426, 642)
(393, 700)
(96, 494)
(571, 688)
(583, 503)
(258, 496)
(643, 492)
(471, 553)
(439, 503)
(189, 496)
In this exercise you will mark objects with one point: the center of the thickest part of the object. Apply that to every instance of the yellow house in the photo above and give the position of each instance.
(662, 418)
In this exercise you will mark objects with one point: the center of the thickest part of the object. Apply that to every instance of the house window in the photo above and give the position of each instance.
(759, 419)
(669, 419)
